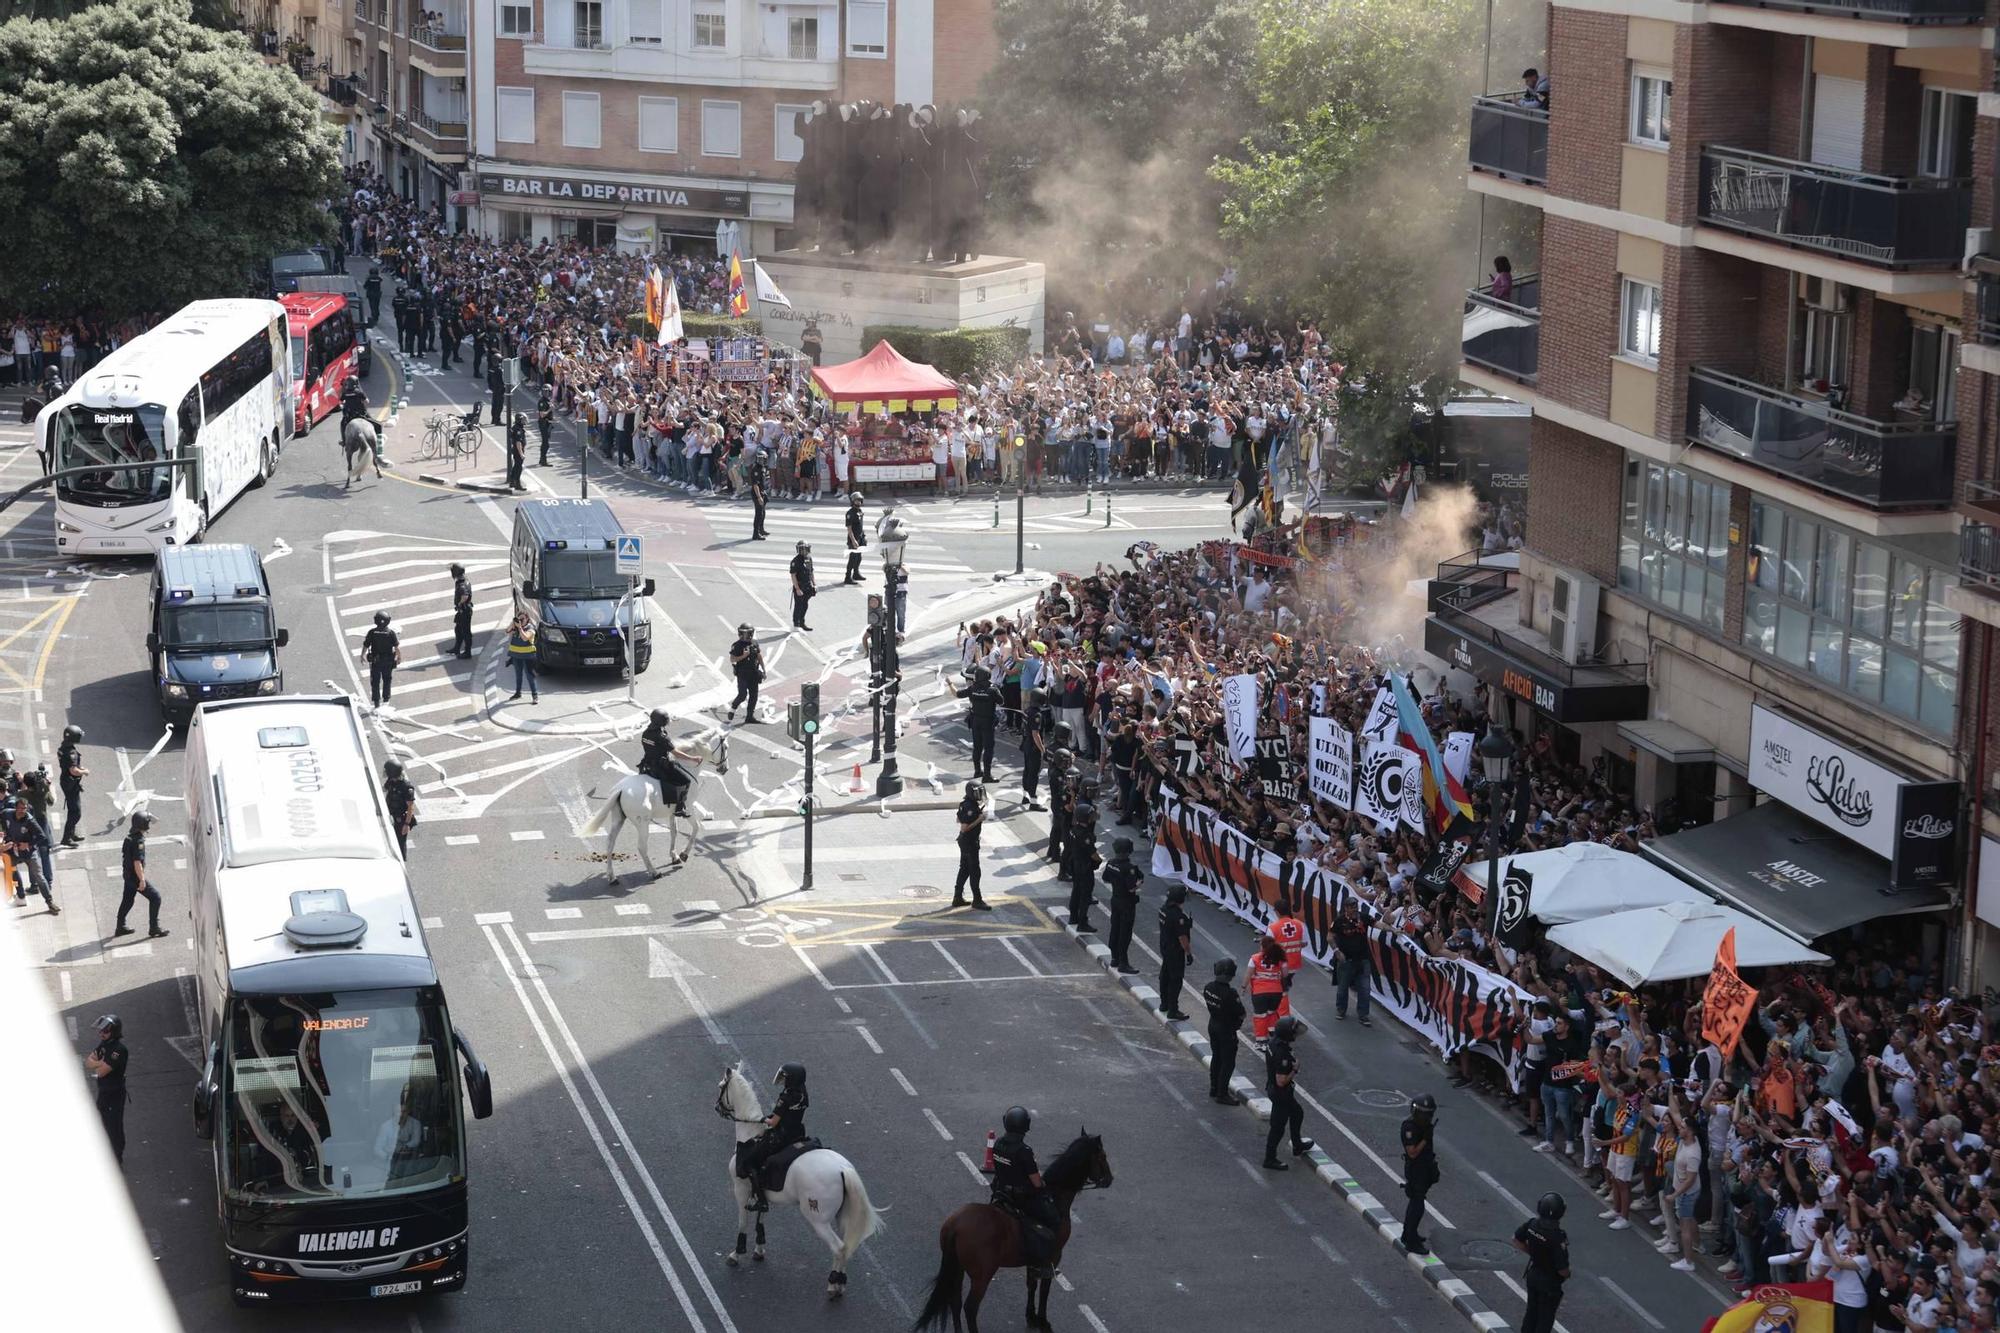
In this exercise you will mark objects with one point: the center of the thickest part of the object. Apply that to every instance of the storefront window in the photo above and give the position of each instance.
(1673, 541)
(1866, 619)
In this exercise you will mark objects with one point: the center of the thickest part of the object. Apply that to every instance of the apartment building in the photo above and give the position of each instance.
(1761, 349)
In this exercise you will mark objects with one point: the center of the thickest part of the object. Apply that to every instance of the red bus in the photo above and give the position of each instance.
(325, 352)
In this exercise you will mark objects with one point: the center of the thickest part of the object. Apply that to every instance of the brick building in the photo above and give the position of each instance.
(1763, 575)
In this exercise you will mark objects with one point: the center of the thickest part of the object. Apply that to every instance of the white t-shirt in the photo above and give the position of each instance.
(1850, 1286)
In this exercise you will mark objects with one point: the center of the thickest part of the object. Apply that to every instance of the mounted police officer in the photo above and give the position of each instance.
(1018, 1187)
(1281, 1070)
(401, 798)
(656, 759)
(984, 719)
(971, 818)
(1547, 1246)
(1225, 1020)
(758, 479)
(1124, 879)
(1080, 857)
(785, 1126)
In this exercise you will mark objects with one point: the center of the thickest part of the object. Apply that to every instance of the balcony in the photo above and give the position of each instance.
(1986, 273)
(343, 90)
(1979, 542)
(1912, 12)
(1894, 222)
(1504, 336)
(447, 136)
(1880, 464)
(434, 37)
(1510, 141)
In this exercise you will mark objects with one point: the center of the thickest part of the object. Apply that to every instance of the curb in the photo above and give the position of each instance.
(862, 807)
(1449, 1286)
(482, 487)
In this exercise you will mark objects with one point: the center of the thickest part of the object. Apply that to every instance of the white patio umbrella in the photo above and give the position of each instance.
(1676, 940)
(1587, 879)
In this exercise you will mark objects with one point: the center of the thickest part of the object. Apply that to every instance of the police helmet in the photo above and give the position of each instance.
(1064, 756)
(1551, 1207)
(1289, 1027)
(141, 821)
(72, 732)
(791, 1074)
(1423, 1104)
(392, 768)
(381, 619)
(6, 755)
(109, 1026)
(1121, 847)
(1064, 733)
(1088, 787)
(803, 547)
(1083, 812)
(457, 570)
(854, 497)
(975, 790)
(981, 676)
(745, 630)
(1177, 893)
(1017, 1120)
(1038, 695)
(1225, 968)
(659, 717)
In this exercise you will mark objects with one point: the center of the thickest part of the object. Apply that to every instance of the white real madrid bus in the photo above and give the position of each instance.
(333, 1082)
(211, 386)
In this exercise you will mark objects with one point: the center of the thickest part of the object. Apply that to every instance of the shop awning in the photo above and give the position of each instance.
(1675, 744)
(1581, 880)
(885, 381)
(1676, 941)
(1783, 868)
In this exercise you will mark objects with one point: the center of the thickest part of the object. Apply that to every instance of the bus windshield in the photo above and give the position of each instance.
(582, 574)
(86, 436)
(203, 627)
(340, 1096)
(298, 358)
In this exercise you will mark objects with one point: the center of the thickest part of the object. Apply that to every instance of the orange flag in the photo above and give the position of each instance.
(1726, 1004)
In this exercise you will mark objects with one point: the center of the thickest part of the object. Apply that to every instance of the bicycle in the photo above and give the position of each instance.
(437, 430)
(465, 439)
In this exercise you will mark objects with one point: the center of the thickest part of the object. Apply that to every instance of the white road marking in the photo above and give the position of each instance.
(69, 997)
(492, 918)
(526, 835)
(971, 1166)
(1325, 1247)
(634, 909)
(433, 923)
(937, 1124)
(1504, 1193)
(881, 966)
(1090, 1317)
(897, 1074)
(461, 840)
(1019, 957)
(869, 1037)
(1512, 1284)
(956, 965)
(564, 913)
(1636, 1308)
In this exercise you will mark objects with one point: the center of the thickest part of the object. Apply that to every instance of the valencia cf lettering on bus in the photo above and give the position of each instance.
(332, 1242)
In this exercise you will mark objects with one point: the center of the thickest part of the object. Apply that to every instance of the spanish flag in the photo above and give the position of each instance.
(739, 298)
(1779, 1307)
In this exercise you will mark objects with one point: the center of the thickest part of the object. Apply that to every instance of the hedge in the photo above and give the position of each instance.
(700, 326)
(963, 354)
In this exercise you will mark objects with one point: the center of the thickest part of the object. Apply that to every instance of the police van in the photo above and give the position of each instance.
(565, 575)
(212, 633)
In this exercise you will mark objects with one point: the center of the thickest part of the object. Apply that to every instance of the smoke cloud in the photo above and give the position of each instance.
(1374, 578)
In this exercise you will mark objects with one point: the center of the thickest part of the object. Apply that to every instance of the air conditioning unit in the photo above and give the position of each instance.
(1824, 293)
(1573, 617)
(1978, 240)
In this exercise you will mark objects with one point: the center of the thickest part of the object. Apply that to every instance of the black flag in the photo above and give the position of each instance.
(1510, 907)
(1447, 855)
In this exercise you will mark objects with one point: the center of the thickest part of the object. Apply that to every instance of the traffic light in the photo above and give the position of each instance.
(809, 708)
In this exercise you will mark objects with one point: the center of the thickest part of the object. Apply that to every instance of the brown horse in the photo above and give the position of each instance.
(980, 1239)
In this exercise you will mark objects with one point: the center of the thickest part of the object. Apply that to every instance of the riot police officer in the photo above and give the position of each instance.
(971, 819)
(803, 587)
(1018, 1187)
(984, 719)
(746, 659)
(401, 798)
(1225, 1020)
(70, 774)
(545, 420)
(1061, 797)
(785, 1126)
(1420, 1168)
(1546, 1244)
(758, 479)
(1281, 1070)
(383, 651)
(1124, 879)
(132, 859)
(1080, 859)
(1033, 744)
(106, 1065)
(461, 612)
(371, 287)
(1176, 950)
(655, 746)
(857, 539)
(406, 324)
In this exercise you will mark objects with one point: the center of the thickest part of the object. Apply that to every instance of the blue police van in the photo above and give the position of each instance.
(213, 632)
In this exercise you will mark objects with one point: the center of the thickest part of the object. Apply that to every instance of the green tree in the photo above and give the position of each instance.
(146, 160)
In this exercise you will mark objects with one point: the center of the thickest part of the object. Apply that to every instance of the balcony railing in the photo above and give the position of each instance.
(1881, 11)
(436, 38)
(1888, 221)
(1979, 553)
(1986, 273)
(441, 130)
(1504, 336)
(1882, 464)
(344, 90)
(1510, 140)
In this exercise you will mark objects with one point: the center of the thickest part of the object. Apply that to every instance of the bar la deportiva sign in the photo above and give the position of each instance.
(634, 194)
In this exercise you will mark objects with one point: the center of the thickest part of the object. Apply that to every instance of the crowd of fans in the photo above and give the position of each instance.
(31, 348)
(1846, 1137)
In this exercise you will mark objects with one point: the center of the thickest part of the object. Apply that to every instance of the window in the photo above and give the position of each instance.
(1652, 106)
(868, 28)
(802, 34)
(659, 125)
(514, 115)
(1945, 143)
(517, 20)
(515, 226)
(1863, 617)
(786, 146)
(589, 30)
(224, 383)
(722, 129)
(1673, 540)
(581, 120)
(645, 23)
(711, 26)
(1932, 392)
(1825, 336)
(1639, 324)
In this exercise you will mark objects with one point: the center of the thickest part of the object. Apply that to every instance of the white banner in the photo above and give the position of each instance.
(1458, 754)
(1381, 723)
(1319, 698)
(1821, 778)
(1239, 714)
(1379, 780)
(1330, 767)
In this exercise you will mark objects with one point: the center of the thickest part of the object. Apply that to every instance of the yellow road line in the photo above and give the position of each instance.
(10, 640)
(53, 637)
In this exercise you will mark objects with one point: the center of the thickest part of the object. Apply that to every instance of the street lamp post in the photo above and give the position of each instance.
(888, 782)
(1496, 760)
(875, 611)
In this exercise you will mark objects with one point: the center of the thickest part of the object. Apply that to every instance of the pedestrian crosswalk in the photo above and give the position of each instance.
(824, 526)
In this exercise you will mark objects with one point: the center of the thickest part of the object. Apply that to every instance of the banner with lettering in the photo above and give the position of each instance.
(1275, 770)
(1239, 714)
(1381, 723)
(1454, 1005)
(1727, 1001)
(1380, 780)
(1458, 754)
(1330, 766)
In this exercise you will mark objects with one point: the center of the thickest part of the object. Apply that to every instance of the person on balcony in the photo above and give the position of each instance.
(1534, 90)
(1503, 275)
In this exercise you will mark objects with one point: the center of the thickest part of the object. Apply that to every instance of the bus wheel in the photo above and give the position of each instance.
(267, 464)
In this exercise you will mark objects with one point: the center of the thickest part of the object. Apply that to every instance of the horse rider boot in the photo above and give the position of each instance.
(1018, 1189)
(786, 1125)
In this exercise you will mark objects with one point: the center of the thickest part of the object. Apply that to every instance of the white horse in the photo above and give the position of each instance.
(363, 445)
(821, 1184)
(640, 799)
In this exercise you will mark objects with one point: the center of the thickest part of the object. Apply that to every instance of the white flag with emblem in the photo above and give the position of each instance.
(767, 289)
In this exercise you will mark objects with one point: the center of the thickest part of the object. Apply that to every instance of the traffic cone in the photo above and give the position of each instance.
(987, 1167)
(854, 787)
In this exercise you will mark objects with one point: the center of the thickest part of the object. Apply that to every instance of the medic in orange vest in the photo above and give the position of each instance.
(1290, 935)
(1268, 1001)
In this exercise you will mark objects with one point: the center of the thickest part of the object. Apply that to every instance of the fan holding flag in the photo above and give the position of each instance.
(739, 296)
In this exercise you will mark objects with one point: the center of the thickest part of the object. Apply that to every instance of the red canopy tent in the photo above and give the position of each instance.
(885, 381)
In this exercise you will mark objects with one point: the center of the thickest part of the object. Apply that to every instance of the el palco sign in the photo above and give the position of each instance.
(570, 191)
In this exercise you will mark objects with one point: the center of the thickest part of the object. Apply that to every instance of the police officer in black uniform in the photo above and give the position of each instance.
(106, 1064)
(517, 452)
(461, 612)
(1124, 879)
(1225, 1020)
(496, 386)
(785, 1126)
(427, 322)
(1061, 796)
(1018, 1187)
(401, 799)
(758, 478)
(857, 539)
(545, 421)
(1281, 1071)
(1176, 950)
(1420, 1168)
(655, 748)
(971, 819)
(984, 719)
(746, 659)
(381, 650)
(399, 306)
(371, 287)
(451, 328)
(1547, 1246)
(354, 405)
(1081, 860)
(70, 774)
(803, 587)
(1034, 741)
(132, 858)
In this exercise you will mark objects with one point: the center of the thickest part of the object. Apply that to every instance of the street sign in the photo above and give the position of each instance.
(629, 555)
